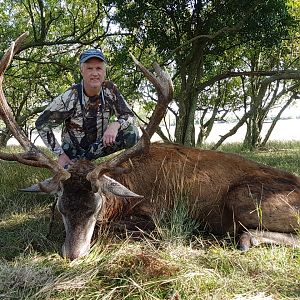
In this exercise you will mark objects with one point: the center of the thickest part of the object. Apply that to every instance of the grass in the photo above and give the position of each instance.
(176, 264)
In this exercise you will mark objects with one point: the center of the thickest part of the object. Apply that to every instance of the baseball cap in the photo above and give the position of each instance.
(84, 56)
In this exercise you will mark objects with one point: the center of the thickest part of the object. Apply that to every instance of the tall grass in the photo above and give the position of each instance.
(173, 263)
(176, 225)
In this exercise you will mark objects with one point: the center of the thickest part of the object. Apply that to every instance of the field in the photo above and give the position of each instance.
(175, 262)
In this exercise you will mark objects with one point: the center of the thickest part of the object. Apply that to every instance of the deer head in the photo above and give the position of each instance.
(83, 189)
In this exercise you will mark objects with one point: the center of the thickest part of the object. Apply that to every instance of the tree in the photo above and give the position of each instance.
(204, 44)
(48, 63)
(191, 37)
(270, 81)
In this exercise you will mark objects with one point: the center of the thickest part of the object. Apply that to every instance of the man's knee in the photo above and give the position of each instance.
(130, 136)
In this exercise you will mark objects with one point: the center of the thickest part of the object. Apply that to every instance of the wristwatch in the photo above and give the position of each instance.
(121, 121)
(58, 151)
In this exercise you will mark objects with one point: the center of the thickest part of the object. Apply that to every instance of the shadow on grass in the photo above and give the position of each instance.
(25, 217)
(30, 235)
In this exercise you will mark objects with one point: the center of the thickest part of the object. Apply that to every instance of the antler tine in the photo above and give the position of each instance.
(5, 111)
(162, 81)
(33, 156)
(164, 87)
(13, 49)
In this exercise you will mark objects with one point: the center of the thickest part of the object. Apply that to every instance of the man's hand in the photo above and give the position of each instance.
(64, 160)
(110, 134)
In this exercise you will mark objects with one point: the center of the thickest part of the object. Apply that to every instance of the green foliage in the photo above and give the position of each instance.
(48, 62)
(199, 41)
(171, 24)
(196, 41)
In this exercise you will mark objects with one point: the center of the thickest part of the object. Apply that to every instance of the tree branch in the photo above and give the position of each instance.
(223, 30)
(274, 75)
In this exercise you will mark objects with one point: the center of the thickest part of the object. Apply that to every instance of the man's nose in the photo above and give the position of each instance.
(94, 71)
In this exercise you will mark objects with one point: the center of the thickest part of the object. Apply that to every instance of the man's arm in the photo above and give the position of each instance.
(123, 113)
(55, 114)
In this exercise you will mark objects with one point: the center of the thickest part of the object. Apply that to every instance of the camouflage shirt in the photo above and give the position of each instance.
(83, 123)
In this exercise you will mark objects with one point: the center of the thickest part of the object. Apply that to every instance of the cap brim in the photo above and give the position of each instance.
(83, 60)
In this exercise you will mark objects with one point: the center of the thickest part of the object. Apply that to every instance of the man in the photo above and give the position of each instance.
(85, 110)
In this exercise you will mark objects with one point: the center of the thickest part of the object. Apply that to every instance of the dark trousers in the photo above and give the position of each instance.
(125, 139)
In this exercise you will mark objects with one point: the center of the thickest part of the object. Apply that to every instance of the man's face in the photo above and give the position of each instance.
(93, 72)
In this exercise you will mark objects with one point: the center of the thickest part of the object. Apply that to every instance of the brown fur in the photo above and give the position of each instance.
(224, 191)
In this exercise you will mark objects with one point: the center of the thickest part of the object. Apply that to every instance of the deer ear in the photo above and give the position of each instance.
(48, 186)
(110, 185)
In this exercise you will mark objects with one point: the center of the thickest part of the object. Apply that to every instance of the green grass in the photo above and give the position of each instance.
(174, 264)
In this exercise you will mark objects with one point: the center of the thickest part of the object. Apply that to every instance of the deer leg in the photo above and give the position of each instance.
(257, 237)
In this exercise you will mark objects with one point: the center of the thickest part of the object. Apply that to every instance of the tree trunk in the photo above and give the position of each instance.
(5, 135)
(185, 128)
(191, 73)
(276, 119)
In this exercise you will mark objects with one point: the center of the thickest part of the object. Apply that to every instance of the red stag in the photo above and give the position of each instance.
(223, 191)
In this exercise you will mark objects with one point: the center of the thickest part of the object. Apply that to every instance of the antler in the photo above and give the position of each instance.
(164, 87)
(32, 156)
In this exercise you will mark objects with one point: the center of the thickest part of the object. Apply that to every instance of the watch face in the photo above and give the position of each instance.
(58, 151)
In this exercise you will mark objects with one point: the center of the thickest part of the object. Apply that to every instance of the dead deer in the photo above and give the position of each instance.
(224, 192)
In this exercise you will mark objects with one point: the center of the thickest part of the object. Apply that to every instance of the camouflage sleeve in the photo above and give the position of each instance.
(61, 108)
(122, 110)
